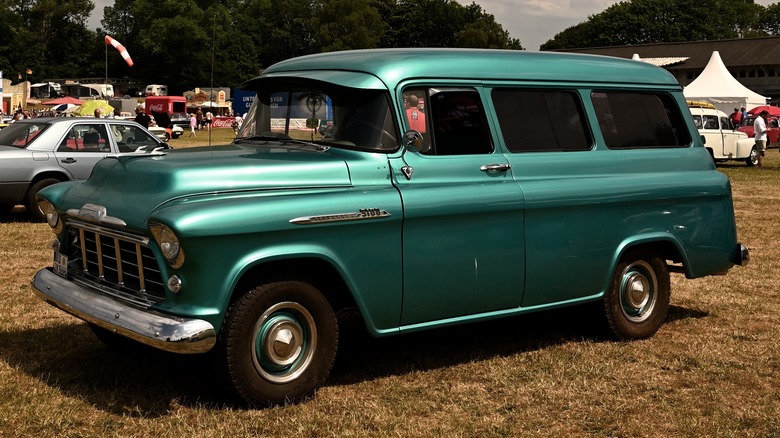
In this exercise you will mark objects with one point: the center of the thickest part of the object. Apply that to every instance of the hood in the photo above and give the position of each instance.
(131, 187)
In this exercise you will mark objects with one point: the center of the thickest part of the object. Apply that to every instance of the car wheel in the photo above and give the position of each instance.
(752, 159)
(636, 303)
(33, 210)
(279, 342)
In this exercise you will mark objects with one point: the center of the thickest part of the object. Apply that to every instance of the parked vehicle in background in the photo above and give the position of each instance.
(721, 138)
(773, 130)
(166, 134)
(167, 110)
(156, 90)
(536, 180)
(46, 90)
(38, 152)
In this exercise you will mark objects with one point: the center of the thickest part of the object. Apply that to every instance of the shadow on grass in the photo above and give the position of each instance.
(145, 382)
(17, 214)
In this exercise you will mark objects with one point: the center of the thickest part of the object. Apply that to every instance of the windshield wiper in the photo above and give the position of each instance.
(282, 139)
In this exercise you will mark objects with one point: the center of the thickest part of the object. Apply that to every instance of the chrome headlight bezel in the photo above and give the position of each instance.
(169, 244)
(51, 214)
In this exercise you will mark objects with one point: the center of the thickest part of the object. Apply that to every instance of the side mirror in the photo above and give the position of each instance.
(412, 140)
(703, 140)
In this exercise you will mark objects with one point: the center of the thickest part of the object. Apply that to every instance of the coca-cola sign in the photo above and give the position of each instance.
(156, 108)
(222, 122)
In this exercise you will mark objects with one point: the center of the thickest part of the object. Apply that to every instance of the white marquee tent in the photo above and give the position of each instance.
(716, 85)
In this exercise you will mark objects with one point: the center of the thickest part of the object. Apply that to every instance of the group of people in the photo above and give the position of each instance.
(199, 121)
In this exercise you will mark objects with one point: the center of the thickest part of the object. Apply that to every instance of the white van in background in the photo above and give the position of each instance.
(156, 90)
(720, 137)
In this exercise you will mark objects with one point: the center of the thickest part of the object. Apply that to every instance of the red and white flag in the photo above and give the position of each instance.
(121, 48)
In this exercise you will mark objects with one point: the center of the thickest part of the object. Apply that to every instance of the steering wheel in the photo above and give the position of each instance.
(384, 136)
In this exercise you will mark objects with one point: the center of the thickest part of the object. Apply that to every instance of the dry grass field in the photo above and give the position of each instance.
(712, 370)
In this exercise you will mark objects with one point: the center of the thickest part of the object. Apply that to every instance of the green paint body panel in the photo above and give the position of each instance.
(459, 243)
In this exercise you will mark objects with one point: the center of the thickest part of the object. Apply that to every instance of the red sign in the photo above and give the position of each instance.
(222, 122)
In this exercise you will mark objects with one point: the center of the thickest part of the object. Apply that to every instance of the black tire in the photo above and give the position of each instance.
(752, 159)
(29, 200)
(638, 298)
(303, 325)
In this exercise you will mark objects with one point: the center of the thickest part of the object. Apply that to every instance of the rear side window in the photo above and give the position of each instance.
(541, 120)
(640, 120)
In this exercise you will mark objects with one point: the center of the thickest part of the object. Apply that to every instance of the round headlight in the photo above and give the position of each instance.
(169, 244)
(52, 217)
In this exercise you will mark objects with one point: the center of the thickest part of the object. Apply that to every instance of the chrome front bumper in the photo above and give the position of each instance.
(166, 332)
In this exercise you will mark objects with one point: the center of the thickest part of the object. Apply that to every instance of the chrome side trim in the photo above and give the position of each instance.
(166, 332)
(364, 213)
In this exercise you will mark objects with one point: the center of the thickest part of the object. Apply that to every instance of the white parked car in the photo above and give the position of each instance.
(163, 133)
(721, 138)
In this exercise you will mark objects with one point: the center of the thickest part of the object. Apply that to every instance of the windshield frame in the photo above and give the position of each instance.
(355, 118)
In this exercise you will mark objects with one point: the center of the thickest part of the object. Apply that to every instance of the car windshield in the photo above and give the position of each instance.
(20, 134)
(321, 113)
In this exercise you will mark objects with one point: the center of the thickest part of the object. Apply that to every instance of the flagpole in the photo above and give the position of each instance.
(105, 86)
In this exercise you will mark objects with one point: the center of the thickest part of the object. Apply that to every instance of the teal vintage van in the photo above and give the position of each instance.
(418, 188)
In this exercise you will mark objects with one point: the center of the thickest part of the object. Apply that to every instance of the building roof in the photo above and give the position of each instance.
(744, 52)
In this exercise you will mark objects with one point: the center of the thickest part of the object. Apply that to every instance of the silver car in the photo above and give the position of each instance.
(38, 152)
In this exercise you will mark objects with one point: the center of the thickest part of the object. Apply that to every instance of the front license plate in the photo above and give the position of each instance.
(60, 264)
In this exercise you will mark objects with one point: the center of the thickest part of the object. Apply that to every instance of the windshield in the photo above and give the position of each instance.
(20, 134)
(322, 113)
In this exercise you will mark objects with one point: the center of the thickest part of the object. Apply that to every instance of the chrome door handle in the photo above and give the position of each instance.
(69, 160)
(495, 167)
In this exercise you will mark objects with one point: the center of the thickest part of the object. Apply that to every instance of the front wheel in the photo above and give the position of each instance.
(279, 342)
(33, 210)
(752, 159)
(638, 298)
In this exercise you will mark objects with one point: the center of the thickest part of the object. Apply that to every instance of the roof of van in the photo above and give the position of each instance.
(391, 66)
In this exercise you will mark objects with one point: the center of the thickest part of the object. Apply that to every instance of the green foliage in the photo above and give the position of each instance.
(658, 21)
(175, 41)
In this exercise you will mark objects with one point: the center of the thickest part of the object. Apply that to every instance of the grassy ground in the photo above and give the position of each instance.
(712, 370)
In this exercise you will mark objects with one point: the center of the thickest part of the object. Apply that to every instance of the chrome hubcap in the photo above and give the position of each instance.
(284, 342)
(638, 291)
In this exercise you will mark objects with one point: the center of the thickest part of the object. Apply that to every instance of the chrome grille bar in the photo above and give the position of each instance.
(118, 263)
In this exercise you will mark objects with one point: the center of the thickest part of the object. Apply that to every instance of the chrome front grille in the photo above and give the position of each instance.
(117, 263)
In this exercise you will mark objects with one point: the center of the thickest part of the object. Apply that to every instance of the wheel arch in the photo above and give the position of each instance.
(61, 176)
(665, 246)
(322, 272)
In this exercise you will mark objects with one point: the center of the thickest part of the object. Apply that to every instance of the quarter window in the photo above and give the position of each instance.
(541, 120)
(640, 120)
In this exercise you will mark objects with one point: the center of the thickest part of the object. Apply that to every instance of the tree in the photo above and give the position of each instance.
(347, 24)
(52, 33)
(656, 21)
(444, 23)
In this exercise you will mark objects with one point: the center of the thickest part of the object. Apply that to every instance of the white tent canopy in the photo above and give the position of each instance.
(717, 86)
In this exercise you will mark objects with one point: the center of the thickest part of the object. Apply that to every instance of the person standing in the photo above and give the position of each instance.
(759, 127)
(142, 118)
(736, 118)
(193, 124)
(415, 117)
(209, 118)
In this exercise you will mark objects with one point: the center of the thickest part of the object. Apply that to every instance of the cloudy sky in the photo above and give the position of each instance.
(533, 22)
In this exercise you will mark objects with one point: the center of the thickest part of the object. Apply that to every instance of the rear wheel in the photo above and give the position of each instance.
(33, 210)
(279, 342)
(638, 298)
(752, 159)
